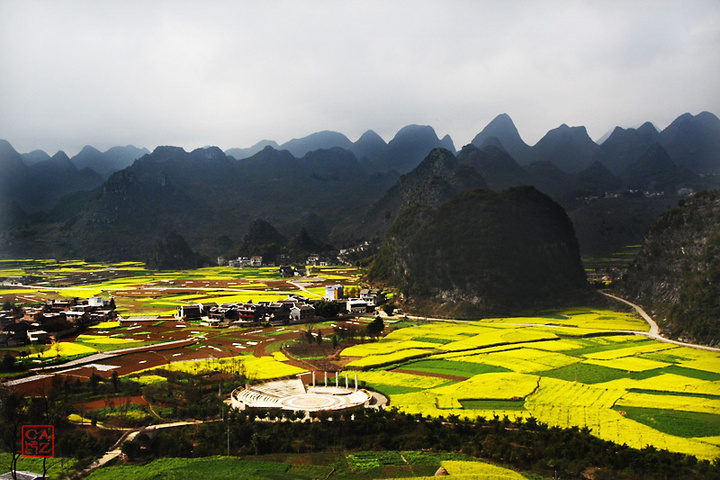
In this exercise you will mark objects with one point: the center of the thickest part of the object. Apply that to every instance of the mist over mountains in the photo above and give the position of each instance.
(115, 204)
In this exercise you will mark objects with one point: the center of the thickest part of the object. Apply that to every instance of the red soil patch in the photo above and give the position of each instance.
(111, 402)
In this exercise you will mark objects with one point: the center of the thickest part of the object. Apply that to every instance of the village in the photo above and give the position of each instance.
(56, 319)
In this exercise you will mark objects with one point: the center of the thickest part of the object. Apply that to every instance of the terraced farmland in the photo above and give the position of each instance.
(576, 368)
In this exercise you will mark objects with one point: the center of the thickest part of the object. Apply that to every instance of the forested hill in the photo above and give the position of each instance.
(677, 273)
(483, 252)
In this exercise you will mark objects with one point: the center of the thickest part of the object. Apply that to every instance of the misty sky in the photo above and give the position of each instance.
(231, 73)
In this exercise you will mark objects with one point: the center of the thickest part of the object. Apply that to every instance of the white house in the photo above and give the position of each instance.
(334, 292)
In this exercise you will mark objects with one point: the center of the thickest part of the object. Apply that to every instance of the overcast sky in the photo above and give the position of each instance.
(231, 73)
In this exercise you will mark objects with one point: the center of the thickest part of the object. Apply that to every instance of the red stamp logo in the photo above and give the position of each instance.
(38, 441)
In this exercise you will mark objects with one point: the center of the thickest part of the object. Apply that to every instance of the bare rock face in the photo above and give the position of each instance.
(677, 273)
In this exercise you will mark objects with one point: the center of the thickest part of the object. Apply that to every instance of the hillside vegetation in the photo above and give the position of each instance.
(677, 273)
(483, 252)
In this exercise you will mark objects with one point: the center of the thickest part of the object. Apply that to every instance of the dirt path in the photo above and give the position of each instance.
(116, 450)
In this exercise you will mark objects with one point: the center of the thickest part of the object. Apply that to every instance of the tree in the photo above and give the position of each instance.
(8, 363)
(375, 327)
(94, 381)
(13, 414)
(115, 381)
(388, 308)
(327, 309)
(308, 334)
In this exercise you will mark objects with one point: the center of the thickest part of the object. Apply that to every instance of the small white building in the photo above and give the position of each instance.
(38, 336)
(358, 305)
(97, 301)
(334, 292)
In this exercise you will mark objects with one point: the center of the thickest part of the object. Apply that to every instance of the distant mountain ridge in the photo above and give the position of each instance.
(403, 153)
(692, 142)
(203, 195)
(344, 194)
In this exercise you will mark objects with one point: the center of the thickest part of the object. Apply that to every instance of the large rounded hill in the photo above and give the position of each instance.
(483, 252)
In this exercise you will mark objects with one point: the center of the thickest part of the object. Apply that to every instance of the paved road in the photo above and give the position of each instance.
(654, 332)
(97, 357)
(654, 329)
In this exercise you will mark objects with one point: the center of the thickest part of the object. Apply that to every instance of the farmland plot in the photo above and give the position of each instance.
(605, 381)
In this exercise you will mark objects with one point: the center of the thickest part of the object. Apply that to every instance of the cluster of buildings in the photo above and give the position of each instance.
(294, 309)
(56, 318)
(254, 261)
(257, 261)
(365, 302)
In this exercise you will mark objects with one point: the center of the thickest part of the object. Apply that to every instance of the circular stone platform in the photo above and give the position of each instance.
(313, 401)
(293, 395)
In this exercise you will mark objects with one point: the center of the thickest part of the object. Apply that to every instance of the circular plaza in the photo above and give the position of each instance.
(293, 394)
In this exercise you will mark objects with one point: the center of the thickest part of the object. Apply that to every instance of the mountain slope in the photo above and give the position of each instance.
(677, 274)
(499, 169)
(242, 153)
(655, 171)
(483, 252)
(436, 180)
(502, 129)
(694, 142)
(205, 196)
(299, 147)
(409, 147)
(624, 146)
(370, 146)
(569, 148)
(109, 162)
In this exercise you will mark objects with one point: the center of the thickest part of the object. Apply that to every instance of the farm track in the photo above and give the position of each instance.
(116, 450)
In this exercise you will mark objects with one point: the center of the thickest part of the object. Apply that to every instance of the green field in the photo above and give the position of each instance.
(570, 368)
(138, 291)
(359, 465)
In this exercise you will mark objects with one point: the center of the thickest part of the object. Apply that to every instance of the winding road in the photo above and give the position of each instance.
(654, 332)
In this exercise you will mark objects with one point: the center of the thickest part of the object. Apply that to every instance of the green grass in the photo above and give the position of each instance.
(399, 389)
(493, 404)
(28, 464)
(685, 372)
(596, 346)
(449, 367)
(440, 341)
(368, 460)
(676, 394)
(681, 424)
(207, 468)
(586, 373)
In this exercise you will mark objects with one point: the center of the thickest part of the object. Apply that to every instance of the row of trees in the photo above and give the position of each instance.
(527, 445)
(47, 408)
